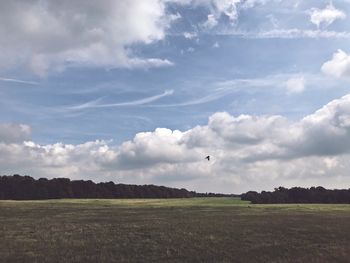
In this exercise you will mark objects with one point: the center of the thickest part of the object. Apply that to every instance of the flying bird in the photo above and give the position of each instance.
(208, 158)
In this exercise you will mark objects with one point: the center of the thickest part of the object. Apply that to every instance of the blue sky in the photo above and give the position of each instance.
(86, 72)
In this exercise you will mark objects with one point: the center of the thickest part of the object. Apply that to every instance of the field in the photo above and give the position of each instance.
(173, 230)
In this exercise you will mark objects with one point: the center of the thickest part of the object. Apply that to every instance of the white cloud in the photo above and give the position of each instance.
(295, 85)
(211, 97)
(289, 33)
(149, 63)
(227, 7)
(338, 66)
(20, 81)
(13, 133)
(190, 35)
(218, 8)
(190, 49)
(211, 21)
(252, 3)
(52, 35)
(326, 16)
(248, 152)
(97, 103)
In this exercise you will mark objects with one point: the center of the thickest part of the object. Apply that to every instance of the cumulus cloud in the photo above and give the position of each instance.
(248, 152)
(295, 85)
(190, 35)
(211, 21)
(227, 7)
(338, 66)
(253, 3)
(219, 8)
(52, 35)
(326, 16)
(13, 133)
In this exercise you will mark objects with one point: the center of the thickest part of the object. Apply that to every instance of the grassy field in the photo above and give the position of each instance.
(173, 230)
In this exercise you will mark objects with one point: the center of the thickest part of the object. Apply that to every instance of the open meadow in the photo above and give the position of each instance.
(172, 230)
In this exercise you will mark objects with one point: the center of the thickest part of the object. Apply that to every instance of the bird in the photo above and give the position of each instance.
(208, 158)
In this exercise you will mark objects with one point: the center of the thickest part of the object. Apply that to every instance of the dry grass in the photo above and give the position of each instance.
(175, 230)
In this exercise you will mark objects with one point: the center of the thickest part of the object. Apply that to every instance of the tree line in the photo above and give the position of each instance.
(283, 195)
(18, 187)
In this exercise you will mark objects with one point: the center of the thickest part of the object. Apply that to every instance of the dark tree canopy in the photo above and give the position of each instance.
(283, 195)
(18, 187)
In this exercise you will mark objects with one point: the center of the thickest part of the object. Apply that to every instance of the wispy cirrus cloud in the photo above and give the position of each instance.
(19, 81)
(97, 103)
(196, 101)
(287, 33)
(289, 83)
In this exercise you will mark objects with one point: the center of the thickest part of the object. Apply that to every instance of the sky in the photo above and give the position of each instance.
(141, 91)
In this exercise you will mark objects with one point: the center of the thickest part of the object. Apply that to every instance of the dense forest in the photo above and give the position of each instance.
(283, 195)
(18, 187)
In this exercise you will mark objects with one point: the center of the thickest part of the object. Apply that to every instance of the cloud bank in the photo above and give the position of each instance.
(14, 133)
(52, 35)
(247, 152)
